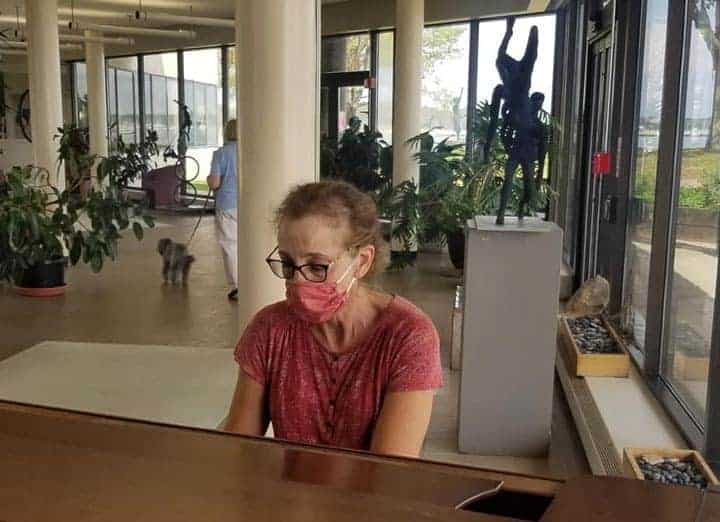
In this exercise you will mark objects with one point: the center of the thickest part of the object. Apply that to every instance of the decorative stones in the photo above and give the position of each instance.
(591, 335)
(672, 471)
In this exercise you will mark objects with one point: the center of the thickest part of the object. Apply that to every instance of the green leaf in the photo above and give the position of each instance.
(138, 230)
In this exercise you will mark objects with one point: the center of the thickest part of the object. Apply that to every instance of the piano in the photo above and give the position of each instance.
(63, 465)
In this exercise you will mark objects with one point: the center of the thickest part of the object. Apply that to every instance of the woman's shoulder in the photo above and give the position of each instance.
(403, 316)
(273, 314)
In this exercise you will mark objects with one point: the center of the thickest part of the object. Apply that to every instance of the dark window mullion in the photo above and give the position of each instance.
(373, 108)
(472, 87)
(141, 96)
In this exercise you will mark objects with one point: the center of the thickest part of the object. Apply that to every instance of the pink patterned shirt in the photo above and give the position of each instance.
(318, 397)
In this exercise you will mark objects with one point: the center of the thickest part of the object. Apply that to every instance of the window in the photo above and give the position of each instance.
(694, 247)
(159, 97)
(642, 199)
(112, 109)
(161, 94)
(80, 85)
(231, 83)
(127, 118)
(446, 55)
(386, 48)
(346, 53)
(203, 96)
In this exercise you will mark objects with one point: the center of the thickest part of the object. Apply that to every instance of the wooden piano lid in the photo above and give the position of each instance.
(57, 465)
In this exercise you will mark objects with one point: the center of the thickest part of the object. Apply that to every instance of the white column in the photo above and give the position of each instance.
(409, 21)
(97, 96)
(407, 120)
(44, 77)
(278, 85)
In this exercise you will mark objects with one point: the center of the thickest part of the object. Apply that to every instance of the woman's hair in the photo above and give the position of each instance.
(338, 201)
(230, 130)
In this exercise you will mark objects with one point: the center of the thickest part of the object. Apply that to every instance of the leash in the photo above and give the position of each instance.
(197, 223)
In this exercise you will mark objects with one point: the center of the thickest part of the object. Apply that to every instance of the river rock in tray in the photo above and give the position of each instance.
(672, 471)
(591, 335)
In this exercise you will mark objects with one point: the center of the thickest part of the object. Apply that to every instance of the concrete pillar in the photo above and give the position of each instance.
(407, 118)
(45, 90)
(97, 96)
(277, 52)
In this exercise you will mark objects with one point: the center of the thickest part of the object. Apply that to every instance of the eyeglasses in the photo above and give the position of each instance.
(313, 272)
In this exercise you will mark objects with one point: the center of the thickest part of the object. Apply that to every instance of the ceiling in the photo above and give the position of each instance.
(338, 16)
(208, 8)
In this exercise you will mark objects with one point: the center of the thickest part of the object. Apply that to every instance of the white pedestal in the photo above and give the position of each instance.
(509, 345)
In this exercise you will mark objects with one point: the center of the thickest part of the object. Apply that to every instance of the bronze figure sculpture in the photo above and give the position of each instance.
(521, 131)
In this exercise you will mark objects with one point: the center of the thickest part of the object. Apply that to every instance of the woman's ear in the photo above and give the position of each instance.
(366, 256)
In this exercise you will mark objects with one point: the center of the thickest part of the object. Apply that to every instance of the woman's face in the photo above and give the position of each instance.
(320, 240)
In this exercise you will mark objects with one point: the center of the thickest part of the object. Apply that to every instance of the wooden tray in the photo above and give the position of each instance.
(594, 364)
(631, 468)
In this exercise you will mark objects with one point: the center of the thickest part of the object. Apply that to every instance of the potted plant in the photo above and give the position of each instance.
(361, 157)
(40, 224)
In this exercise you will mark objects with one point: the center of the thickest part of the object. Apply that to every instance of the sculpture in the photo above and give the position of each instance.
(522, 132)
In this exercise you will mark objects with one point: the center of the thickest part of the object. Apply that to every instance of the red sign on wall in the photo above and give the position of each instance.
(601, 163)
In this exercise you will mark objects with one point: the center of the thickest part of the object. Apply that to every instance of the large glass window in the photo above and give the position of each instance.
(203, 96)
(161, 94)
(642, 199)
(385, 73)
(231, 83)
(446, 55)
(126, 122)
(80, 86)
(112, 109)
(346, 53)
(695, 218)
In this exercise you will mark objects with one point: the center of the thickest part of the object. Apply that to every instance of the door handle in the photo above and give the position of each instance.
(609, 209)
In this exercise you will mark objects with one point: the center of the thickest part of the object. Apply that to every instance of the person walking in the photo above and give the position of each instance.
(223, 181)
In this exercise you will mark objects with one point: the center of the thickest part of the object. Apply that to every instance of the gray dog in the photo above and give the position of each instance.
(176, 260)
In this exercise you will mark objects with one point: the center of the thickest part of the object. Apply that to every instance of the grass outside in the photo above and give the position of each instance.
(699, 182)
(201, 186)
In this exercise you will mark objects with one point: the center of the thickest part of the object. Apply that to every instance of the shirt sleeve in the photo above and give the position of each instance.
(416, 365)
(253, 350)
(216, 165)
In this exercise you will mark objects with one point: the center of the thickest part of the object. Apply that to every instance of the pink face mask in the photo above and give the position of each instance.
(316, 303)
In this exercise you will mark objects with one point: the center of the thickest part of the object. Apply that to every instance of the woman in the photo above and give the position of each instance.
(337, 363)
(223, 180)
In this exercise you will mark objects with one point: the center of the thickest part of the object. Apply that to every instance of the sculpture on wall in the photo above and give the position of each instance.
(522, 132)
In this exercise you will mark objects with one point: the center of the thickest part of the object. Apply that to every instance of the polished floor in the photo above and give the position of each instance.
(126, 310)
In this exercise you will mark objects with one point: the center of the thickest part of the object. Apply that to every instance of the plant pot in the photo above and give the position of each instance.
(46, 279)
(456, 247)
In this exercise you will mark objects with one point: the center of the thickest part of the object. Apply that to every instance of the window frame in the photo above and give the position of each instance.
(702, 434)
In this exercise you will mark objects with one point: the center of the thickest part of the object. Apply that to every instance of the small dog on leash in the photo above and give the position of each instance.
(176, 260)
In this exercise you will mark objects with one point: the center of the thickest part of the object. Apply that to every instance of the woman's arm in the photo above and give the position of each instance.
(403, 423)
(214, 181)
(248, 413)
